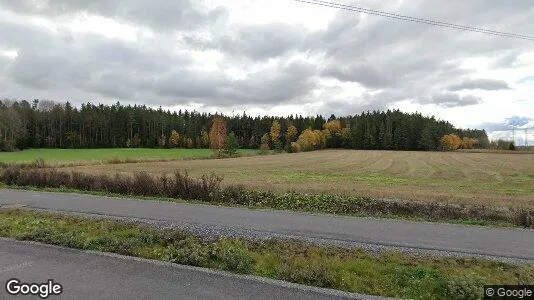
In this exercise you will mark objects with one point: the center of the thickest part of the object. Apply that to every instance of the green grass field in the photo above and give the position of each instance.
(57, 156)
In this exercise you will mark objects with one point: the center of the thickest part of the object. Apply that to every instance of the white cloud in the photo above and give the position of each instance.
(271, 56)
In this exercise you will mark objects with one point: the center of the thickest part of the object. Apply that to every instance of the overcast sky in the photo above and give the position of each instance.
(274, 57)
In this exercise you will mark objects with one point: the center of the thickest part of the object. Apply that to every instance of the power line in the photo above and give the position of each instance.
(417, 20)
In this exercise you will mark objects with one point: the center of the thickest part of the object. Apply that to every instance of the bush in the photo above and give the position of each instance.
(465, 288)
(420, 282)
(232, 255)
(303, 272)
(189, 251)
(295, 147)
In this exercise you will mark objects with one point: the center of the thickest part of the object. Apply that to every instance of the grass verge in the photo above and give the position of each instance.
(387, 274)
(59, 158)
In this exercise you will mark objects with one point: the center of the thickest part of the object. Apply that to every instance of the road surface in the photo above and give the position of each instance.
(91, 275)
(509, 243)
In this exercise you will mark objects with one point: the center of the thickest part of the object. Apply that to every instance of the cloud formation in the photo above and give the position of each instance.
(451, 100)
(481, 84)
(224, 54)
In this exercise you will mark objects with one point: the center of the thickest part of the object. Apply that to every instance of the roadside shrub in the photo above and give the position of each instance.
(232, 255)
(465, 288)
(303, 272)
(234, 194)
(11, 175)
(144, 184)
(524, 218)
(420, 282)
(111, 243)
(188, 251)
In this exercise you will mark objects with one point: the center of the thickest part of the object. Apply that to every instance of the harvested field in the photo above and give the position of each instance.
(452, 177)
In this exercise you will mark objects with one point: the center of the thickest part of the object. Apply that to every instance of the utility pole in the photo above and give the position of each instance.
(513, 135)
(526, 137)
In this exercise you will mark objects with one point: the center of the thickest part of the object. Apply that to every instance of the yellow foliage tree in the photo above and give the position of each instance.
(174, 139)
(275, 133)
(311, 140)
(218, 133)
(291, 133)
(468, 143)
(188, 143)
(451, 142)
(334, 127)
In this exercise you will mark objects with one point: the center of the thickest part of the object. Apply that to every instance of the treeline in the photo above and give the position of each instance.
(47, 124)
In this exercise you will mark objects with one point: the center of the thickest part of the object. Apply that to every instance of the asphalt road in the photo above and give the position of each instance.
(91, 275)
(496, 242)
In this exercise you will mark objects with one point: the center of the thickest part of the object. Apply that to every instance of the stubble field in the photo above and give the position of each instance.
(449, 177)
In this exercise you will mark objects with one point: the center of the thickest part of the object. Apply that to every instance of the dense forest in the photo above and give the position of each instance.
(46, 124)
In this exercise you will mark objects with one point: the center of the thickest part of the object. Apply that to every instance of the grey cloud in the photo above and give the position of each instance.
(278, 84)
(89, 62)
(188, 83)
(163, 15)
(482, 84)
(412, 59)
(451, 100)
(118, 85)
(355, 105)
(401, 60)
(262, 41)
(506, 60)
(256, 41)
(46, 70)
(364, 73)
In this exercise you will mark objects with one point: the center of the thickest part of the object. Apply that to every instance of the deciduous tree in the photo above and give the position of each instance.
(218, 133)
(174, 140)
(451, 142)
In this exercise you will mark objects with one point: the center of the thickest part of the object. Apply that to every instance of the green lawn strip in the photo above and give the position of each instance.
(387, 274)
(119, 155)
(262, 206)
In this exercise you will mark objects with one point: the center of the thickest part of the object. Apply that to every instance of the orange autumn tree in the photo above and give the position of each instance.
(469, 143)
(451, 142)
(218, 133)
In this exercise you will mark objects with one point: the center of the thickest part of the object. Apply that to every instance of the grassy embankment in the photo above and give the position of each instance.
(387, 274)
